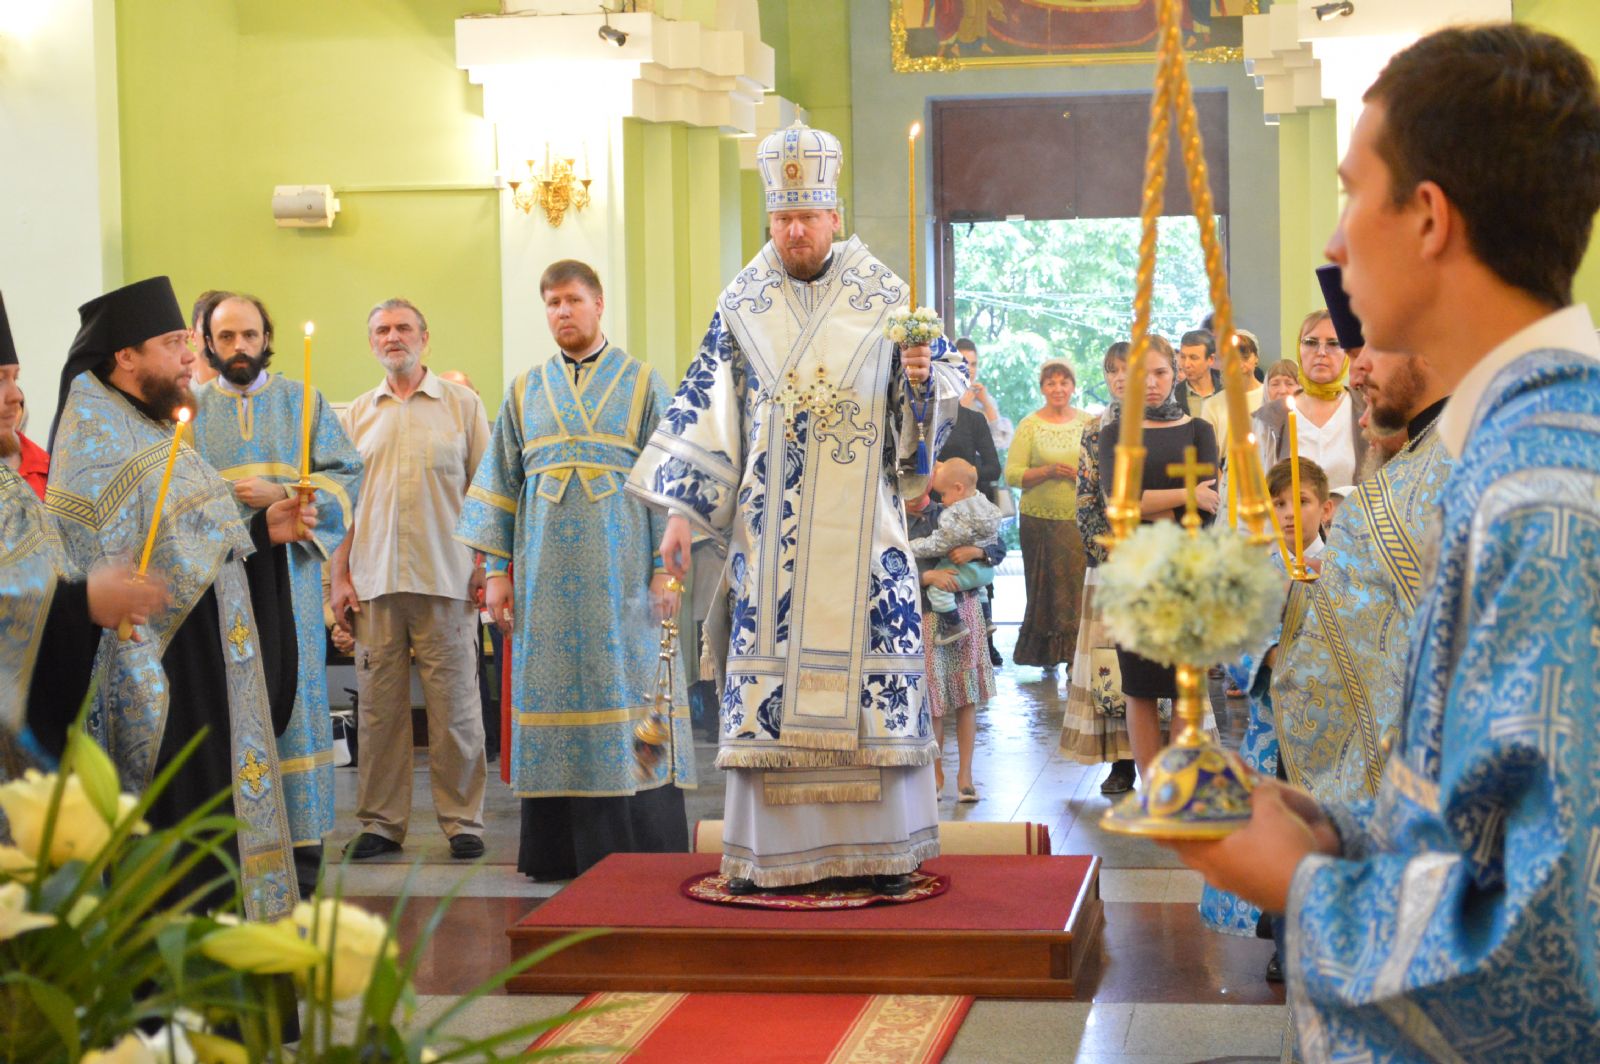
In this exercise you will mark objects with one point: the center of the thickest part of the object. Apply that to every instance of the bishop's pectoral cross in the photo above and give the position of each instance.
(790, 398)
(1191, 469)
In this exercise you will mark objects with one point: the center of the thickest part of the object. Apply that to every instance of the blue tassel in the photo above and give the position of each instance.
(923, 468)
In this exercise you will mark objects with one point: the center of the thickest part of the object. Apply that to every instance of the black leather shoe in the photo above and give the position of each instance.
(740, 886)
(1274, 969)
(466, 847)
(1120, 778)
(367, 845)
(891, 886)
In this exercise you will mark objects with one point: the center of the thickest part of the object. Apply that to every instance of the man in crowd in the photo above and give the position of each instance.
(1197, 358)
(791, 441)
(547, 500)
(221, 655)
(1453, 917)
(407, 587)
(248, 425)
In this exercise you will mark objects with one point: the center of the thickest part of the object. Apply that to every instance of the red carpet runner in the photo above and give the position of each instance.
(771, 1028)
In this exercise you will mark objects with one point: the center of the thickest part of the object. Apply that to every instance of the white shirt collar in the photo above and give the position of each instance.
(1568, 329)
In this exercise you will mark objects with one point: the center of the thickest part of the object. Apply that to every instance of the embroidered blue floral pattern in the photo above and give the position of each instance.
(694, 394)
(733, 703)
(770, 713)
(682, 482)
(742, 627)
(890, 694)
(896, 618)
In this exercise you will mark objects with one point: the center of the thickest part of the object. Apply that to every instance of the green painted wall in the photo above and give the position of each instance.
(1576, 21)
(357, 93)
(1308, 209)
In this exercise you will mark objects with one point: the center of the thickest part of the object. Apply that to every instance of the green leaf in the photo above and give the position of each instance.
(173, 943)
(58, 1009)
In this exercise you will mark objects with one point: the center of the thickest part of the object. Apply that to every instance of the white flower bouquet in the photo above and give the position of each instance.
(915, 327)
(1189, 600)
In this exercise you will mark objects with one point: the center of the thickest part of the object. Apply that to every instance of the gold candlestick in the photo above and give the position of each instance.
(911, 207)
(308, 407)
(181, 417)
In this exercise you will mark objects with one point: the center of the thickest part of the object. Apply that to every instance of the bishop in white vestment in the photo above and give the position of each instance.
(795, 434)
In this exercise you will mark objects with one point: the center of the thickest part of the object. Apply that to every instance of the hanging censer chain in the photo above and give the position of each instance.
(652, 736)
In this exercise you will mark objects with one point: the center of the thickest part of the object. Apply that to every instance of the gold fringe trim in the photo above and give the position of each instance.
(815, 793)
(862, 757)
(820, 739)
(796, 875)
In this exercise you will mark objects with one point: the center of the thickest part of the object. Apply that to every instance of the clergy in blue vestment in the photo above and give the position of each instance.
(248, 426)
(221, 656)
(1340, 669)
(795, 434)
(583, 593)
(50, 615)
(1456, 916)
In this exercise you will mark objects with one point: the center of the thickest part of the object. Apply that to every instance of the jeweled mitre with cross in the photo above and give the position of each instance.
(800, 168)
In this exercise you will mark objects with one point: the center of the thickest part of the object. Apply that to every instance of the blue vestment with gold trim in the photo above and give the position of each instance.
(547, 498)
(257, 433)
(1461, 921)
(31, 563)
(104, 478)
(1341, 666)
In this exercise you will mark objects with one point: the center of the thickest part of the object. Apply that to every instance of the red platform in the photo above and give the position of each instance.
(1009, 926)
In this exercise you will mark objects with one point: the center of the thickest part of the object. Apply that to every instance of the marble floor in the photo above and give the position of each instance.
(1165, 991)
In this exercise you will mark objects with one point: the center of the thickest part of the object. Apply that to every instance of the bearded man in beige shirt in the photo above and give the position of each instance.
(405, 586)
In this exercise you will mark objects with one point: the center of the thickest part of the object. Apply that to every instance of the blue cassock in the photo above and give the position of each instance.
(1462, 921)
(548, 499)
(257, 434)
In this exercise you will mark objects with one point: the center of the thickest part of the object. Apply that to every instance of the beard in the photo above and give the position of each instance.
(164, 394)
(240, 371)
(1393, 405)
(805, 264)
(10, 444)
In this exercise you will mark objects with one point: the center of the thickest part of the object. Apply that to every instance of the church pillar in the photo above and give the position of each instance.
(61, 181)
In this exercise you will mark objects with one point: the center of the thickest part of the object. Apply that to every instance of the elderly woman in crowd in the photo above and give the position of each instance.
(1043, 462)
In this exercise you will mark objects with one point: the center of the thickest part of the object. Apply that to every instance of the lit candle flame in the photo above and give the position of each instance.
(311, 327)
(182, 415)
(916, 130)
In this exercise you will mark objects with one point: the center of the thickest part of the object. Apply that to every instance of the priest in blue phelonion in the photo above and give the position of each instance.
(1454, 916)
(790, 443)
(583, 593)
(248, 426)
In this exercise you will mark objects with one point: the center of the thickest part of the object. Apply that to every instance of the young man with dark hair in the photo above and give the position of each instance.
(1453, 917)
(1197, 366)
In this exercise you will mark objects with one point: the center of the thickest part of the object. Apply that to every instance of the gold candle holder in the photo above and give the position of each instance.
(1122, 505)
(1194, 789)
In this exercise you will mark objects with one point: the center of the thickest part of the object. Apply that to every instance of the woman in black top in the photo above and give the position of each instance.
(1168, 429)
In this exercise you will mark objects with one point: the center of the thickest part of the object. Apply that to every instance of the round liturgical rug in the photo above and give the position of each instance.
(712, 888)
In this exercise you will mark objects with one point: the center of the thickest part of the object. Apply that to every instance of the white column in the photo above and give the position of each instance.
(60, 184)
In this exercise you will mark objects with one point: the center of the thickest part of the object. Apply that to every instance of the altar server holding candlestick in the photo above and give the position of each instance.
(221, 655)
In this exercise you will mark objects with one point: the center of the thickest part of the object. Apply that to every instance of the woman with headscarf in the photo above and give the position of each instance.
(1168, 430)
(1328, 410)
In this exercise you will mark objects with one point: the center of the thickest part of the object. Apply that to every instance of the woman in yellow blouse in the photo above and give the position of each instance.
(1043, 462)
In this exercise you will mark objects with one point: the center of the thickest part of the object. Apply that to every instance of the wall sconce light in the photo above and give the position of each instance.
(1329, 12)
(609, 33)
(555, 188)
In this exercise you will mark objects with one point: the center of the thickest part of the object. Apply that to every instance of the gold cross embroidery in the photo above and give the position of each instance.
(254, 771)
(239, 635)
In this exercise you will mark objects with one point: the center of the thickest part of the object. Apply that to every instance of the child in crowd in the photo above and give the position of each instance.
(1259, 747)
(967, 520)
(1283, 379)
